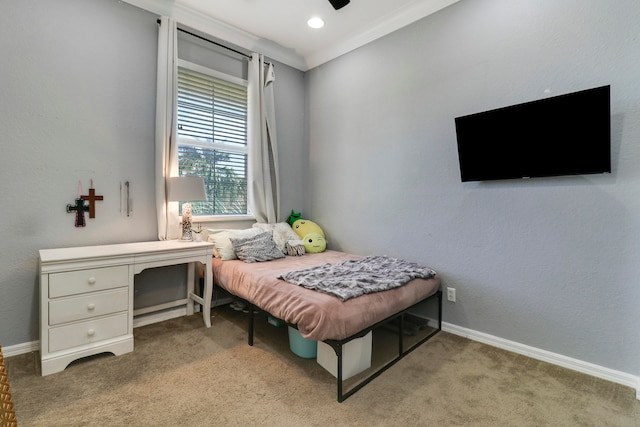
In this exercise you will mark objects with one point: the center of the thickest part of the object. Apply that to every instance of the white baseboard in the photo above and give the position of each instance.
(15, 350)
(597, 371)
(547, 356)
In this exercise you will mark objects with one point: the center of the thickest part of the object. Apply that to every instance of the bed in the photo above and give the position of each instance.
(323, 317)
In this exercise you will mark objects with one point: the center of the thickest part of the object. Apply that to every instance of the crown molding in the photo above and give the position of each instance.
(160, 7)
(389, 24)
(221, 30)
(253, 43)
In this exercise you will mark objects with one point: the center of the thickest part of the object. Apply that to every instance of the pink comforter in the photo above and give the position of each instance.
(318, 316)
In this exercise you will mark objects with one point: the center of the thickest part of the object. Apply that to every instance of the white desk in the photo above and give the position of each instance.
(86, 295)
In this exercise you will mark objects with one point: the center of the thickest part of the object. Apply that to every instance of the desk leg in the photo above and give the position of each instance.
(208, 292)
(191, 280)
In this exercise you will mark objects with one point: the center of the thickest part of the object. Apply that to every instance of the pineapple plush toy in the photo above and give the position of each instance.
(311, 234)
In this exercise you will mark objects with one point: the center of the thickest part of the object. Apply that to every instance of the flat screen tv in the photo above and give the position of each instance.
(562, 135)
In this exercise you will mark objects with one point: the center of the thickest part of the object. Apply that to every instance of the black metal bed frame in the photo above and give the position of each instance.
(337, 345)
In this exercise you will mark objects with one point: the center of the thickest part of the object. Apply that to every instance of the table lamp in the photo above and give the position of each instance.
(186, 189)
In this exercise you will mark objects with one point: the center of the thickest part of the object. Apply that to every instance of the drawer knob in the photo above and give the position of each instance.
(92, 280)
(91, 307)
(90, 332)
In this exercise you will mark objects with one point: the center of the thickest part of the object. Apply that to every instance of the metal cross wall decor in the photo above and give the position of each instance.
(79, 208)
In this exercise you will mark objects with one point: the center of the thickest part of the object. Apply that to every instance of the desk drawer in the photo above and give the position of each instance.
(87, 332)
(81, 307)
(81, 281)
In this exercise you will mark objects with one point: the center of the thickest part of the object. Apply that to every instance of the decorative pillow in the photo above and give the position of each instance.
(222, 246)
(314, 243)
(302, 227)
(282, 232)
(257, 248)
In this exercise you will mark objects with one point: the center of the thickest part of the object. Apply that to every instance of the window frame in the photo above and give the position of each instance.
(181, 140)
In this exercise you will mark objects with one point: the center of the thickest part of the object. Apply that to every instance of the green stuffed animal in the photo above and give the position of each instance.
(293, 217)
(314, 243)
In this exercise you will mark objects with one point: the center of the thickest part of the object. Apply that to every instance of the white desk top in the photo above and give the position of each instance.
(119, 250)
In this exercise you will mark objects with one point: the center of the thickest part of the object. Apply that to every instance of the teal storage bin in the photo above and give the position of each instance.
(303, 347)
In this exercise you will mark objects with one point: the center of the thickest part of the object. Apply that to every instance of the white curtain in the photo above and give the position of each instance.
(166, 134)
(264, 194)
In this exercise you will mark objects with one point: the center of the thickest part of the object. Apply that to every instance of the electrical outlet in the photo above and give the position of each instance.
(451, 294)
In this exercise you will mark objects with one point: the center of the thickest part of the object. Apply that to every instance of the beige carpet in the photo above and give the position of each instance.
(182, 374)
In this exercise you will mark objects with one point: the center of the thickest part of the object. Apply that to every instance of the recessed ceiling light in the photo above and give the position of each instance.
(315, 22)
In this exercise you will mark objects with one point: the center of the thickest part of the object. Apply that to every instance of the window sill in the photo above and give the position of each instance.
(221, 218)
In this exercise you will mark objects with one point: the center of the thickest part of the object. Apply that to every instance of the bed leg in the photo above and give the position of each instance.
(439, 310)
(250, 324)
(337, 348)
(338, 351)
(401, 335)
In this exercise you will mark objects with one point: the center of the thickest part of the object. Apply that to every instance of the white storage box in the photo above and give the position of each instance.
(356, 357)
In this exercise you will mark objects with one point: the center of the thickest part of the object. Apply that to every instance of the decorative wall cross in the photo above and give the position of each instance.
(92, 201)
(79, 208)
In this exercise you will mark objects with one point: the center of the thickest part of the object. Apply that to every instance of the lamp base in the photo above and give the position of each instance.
(186, 223)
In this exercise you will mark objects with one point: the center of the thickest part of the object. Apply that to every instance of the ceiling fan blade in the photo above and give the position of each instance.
(338, 4)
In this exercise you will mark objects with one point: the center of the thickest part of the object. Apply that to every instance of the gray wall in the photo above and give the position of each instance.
(552, 263)
(77, 91)
(78, 103)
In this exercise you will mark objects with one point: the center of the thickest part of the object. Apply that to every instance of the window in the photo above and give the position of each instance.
(212, 137)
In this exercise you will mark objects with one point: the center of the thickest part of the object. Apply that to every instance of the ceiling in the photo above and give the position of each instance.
(278, 28)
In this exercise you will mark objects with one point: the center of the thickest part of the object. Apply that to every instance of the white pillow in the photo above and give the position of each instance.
(223, 248)
(282, 232)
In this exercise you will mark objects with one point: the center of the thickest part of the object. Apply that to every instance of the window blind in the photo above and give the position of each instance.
(212, 140)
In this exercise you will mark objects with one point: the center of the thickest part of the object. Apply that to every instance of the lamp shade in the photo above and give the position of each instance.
(185, 189)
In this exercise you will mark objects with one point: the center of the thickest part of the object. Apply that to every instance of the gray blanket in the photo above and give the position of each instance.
(353, 278)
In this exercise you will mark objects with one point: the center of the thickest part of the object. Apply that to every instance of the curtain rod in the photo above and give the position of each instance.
(216, 43)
